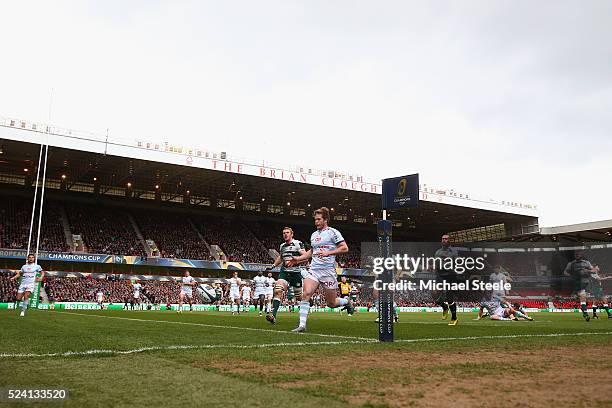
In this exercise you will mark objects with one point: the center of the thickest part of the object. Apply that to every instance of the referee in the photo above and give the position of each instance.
(445, 273)
(345, 291)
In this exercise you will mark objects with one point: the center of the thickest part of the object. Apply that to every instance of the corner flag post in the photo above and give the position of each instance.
(397, 193)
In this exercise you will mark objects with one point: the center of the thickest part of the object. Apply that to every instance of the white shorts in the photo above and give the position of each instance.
(136, 295)
(234, 295)
(187, 292)
(269, 295)
(326, 277)
(246, 297)
(258, 294)
(26, 286)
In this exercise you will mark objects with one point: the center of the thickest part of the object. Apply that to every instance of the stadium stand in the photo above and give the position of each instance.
(8, 288)
(15, 218)
(104, 230)
(173, 235)
(107, 230)
(237, 242)
(85, 289)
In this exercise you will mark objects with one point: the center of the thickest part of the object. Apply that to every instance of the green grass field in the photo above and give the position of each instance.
(167, 359)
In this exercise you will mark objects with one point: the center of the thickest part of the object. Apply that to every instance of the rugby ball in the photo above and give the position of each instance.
(207, 293)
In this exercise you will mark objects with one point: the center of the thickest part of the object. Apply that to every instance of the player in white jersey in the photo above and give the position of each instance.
(28, 282)
(499, 312)
(326, 243)
(100, 298)
(136, 295)
(269, 286)
(187, 284)
(234, 292)
(246, 297)
(498, 277)
(260, 290)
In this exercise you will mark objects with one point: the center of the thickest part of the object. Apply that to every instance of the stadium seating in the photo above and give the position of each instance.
(237, 242)
(104, 230)
(107, 229)
(173, 235)
(15, 217)
(8, 288)
(86, 289)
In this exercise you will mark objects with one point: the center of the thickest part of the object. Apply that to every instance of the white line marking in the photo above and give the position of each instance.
(475, 322)
(217, 326)
(509, 336)
(179, 347)
(269, 345)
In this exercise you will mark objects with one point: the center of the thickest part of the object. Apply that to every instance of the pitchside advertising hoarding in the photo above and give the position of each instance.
(153, 261)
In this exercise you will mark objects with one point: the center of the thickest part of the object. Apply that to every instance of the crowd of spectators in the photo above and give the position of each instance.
(351, 259)
(86, 289)
(173, 235)
(8, 288)
(15, 218)
(104, 230)
(271, 233)
(235, 240)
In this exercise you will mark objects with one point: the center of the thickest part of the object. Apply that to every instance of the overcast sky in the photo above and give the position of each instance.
(504, 99)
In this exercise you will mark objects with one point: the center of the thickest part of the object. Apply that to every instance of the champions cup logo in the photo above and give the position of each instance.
(401, 194)
(402, 187)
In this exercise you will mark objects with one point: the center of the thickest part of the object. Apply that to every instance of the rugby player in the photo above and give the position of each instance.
(137, 287)
(353, 294)
(447, 298)
(100, 298)
(498, 312)
(326, 243)
(376, 297)
(290, 299)
(260, 291)
(520, 312)
(246, 297)
(234, 292)
(269, 291)
(499, 277)
(580, 271)
(28, 283)
(345, 291)
(187, 284)
(597, 292)
(290, 276)
(218, 295)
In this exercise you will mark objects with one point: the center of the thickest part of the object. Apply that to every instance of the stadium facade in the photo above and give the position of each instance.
(139, 176)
